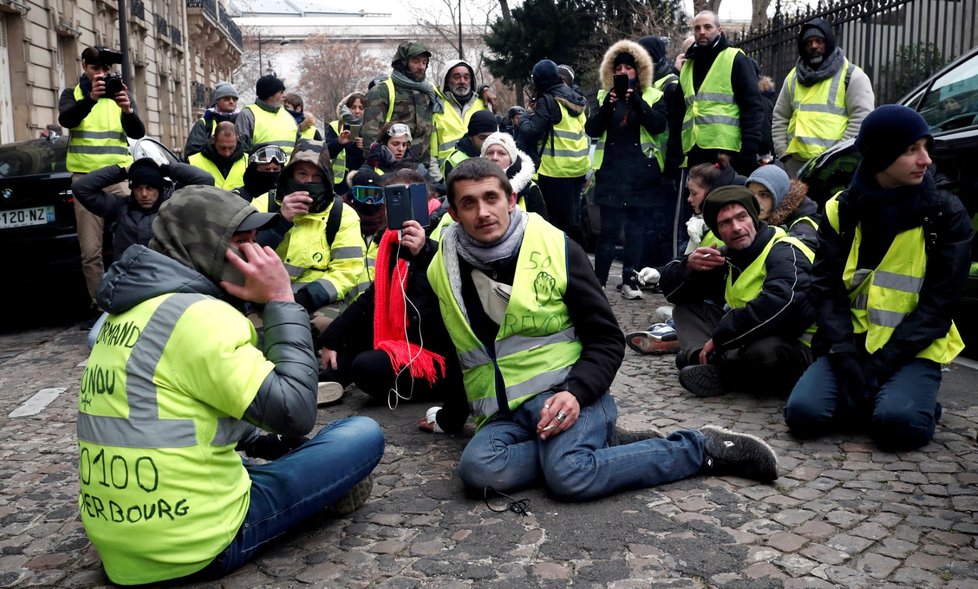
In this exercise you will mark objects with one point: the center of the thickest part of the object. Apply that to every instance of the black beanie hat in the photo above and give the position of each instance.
(624, 57)
(720, 197)
(267, 86)
(145, 172)
(481, 122)
(886, 133)
(654, 46)
(545, 74)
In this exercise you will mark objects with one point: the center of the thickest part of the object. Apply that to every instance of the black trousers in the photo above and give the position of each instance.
(563, 198)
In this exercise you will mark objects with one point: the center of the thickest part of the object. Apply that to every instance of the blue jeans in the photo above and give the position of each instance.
(577, 464)
(302, 483)
(902, 415)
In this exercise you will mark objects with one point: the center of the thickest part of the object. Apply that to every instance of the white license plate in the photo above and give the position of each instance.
(25, 217)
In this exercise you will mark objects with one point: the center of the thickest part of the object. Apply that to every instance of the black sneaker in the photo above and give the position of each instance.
(726, 452)
(354, 498)
(621, 437)
(703, 380)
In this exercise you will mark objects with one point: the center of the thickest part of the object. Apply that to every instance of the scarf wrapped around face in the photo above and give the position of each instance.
(390, 318)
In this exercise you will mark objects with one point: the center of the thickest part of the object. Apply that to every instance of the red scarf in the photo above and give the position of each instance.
(389, 315)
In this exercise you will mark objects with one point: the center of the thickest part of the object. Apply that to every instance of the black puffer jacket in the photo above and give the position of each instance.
(883, 214)
(783, 307)
(536, 126)
(130, 222)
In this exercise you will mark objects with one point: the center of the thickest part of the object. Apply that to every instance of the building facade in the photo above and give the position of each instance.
(179, 50)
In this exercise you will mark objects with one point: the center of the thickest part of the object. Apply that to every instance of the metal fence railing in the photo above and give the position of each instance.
(898, 43)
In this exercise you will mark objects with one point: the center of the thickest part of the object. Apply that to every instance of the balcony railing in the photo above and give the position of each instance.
(138, 9)
(176, 35)
(162, 27)
(220, 16)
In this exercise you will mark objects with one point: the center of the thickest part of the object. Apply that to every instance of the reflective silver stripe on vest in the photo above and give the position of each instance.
(539, 383)
(99, 149)
(99, 135)
(486, 406)
(826, 108)
(858, 276)
(574, 135)
(885, 318)
(568, 152)
(813, 141)
(230, 431)
(371, 262)
(711, 120)
(324, 282)
(294, 271)
(895, 281)
(473, 358)
(860, 302)
(710, 97)
(446, 146)
(521, 343)
(144, 428)
(345, 253)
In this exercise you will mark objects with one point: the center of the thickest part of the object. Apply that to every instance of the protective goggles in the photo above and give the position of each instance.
(399, 129)
(268, 154)
(369, 195)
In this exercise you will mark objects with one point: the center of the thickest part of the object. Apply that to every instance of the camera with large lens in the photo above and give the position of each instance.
(113, 84)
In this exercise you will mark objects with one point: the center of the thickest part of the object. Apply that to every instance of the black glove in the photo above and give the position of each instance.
(850, 378)
(305, 299)
(271, 446)
(636, 100)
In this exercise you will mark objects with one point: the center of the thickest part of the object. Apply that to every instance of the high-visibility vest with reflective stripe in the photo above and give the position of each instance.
(564, 152)
(307, 254)
(649, 145)
(99, 140)
(711, 240)
(309, 133)
(369, 271)
(712, 118)
(450, 127)
(235, 177)
(662, 139)
(750, 282)
(536, 345)
(278, 128)
(819, 117)
(162, 490)
(880, 298)
(339, 162)
(458, 156)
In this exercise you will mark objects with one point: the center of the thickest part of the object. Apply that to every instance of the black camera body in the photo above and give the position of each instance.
(113, 84)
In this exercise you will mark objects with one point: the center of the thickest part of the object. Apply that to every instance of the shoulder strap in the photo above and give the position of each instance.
(849, 70)
(333, 221)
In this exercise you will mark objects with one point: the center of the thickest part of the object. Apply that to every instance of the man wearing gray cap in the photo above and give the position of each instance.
(225, 108)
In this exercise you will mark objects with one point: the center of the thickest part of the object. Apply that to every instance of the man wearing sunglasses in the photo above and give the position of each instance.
(225, 108)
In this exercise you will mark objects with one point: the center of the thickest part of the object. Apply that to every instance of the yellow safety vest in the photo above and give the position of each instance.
(339, 162)
(536, 345)
(458, 156)
(162, 489)
(235, 177)
(366, 277)
(564, 153)
(711, 240)
(748, 285)
(712, 118)
(277, 128)
(649, 145)
(819, 117)
(309, 133)
(99, 140)
(880, 298)
(450, 127)
(308, 257)
(662, 139)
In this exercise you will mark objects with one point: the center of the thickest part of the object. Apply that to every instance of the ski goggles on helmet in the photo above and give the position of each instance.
(369, 195)
(399, 129)
(268, 154)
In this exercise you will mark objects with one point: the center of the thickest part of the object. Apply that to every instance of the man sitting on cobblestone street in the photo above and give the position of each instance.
(741, 310)
(539, 347)
(175, 383)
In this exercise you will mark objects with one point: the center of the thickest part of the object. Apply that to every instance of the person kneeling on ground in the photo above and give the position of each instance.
(892, 263)
(539, 346)
(191, 387)
(741, 310)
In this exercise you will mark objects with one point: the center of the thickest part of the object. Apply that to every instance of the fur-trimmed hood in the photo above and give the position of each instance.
(795, 203)
(520, 173)
(307, 121)
(643, 64)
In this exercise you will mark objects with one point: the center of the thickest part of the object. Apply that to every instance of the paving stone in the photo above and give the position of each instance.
(786, 541)
(825, 555)
(877, 565)
(849, 544)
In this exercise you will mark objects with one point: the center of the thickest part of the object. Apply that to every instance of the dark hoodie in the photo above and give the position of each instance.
(809, 73)
(130, 223)
(313, 152)
(537, 126)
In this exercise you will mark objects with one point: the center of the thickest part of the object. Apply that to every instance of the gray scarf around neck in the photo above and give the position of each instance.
(424, 86)
(807, 76)
(456, 243)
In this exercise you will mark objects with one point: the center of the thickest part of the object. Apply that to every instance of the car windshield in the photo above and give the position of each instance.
(28, 158)
(952, 102)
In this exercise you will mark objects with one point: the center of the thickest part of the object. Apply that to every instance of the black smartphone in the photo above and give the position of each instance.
(419, 203)
(621, 85)
(399, 208)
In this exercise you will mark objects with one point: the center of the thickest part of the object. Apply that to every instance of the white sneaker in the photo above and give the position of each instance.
(631, 293)
(329, 393)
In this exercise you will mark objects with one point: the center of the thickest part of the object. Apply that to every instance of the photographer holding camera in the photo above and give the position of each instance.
(98, 111)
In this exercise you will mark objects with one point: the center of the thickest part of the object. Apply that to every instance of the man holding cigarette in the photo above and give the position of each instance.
(742, 309)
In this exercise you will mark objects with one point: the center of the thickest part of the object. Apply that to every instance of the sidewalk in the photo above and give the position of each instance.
(842, 514)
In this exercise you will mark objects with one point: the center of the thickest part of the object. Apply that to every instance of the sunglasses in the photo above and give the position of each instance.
(267, 155)
(369, 195)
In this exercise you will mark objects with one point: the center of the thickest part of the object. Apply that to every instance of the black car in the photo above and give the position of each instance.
(949, 103)
(37, 218)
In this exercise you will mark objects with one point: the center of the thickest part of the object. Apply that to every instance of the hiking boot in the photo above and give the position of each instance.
(354, 498)
(726, 452)
(329, 393)
(631, 292)
(703, 380)
(621, 437)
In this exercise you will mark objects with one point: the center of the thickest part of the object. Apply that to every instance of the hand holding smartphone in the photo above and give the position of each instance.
(621, 86)
(406, 202)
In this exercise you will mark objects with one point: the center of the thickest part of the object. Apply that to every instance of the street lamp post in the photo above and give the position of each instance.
(460, 55)
(281, 41)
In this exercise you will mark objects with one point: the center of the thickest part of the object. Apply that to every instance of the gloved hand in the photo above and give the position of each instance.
(877, 371)
(850, 378)
(272, 446)
(647, 276)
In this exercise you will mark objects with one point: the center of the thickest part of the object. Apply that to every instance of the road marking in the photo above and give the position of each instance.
(966, 362)
(38, 402)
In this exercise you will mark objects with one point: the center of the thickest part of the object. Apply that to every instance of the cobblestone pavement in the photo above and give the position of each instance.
(842, 514)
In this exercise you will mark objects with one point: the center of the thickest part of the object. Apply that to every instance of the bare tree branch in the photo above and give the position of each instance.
(330, 70)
